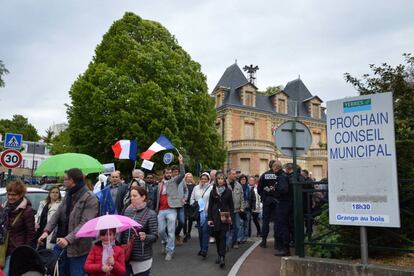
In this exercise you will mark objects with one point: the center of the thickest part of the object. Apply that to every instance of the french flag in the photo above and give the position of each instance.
(161, 144)
(126, 149)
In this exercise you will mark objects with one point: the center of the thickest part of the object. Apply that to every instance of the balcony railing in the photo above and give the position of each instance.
(317, 153)
(251, 144)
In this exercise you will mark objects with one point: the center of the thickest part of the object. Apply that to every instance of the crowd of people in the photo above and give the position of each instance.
(223, 207)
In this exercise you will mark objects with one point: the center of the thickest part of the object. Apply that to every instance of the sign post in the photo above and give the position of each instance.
(362, 170)
(294, 139)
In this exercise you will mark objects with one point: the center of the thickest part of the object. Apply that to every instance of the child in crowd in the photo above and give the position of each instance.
(106, 256)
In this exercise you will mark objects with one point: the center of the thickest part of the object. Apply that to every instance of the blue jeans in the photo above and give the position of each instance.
(180, 218)
(70, 265)
(203, 236)
(6, 267)
(244, 230)
(232, 235)
(167, 219)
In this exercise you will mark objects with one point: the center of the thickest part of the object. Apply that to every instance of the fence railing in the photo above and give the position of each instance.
(315, 202)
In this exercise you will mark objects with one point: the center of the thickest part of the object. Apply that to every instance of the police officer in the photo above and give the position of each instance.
(274, 192)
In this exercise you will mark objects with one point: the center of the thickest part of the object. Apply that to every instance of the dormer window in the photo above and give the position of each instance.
(281, 106)
(316, 108)
(248, 98)
(219, 99)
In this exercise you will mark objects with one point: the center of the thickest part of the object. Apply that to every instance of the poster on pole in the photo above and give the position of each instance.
(362, 169)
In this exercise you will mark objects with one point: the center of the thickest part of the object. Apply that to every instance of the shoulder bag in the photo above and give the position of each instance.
(127, 248)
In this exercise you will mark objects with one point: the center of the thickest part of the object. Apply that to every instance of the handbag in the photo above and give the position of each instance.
(127, 248)
(225, 217)
(195, 208)
(5, 244)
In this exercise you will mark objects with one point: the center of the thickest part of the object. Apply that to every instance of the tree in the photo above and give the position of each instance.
(3, 71)
(61, 143)
(270, 90)
(141, 84)
(19, 124)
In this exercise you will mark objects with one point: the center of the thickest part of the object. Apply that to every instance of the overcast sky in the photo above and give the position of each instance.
(47, 44)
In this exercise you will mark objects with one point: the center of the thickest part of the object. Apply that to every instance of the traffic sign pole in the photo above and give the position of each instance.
(9, 174)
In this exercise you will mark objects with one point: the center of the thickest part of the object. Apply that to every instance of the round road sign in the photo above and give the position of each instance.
(11, 158)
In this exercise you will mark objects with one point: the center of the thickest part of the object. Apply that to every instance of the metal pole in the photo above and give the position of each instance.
(364, 245)
(297, 200)
(9, 174)
(34, 149)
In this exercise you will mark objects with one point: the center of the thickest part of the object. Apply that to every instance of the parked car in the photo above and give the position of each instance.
(35, 195)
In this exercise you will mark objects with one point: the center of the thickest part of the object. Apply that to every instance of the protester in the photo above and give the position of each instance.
(212, 180)
(182, 194)
(118, 190)
(138, 176)
(274, 191)
(141, 257)
(167, 201)
(246, 215)
(151, 186)
(238, 203)
(101, 183)
(220, 209)
(106, 257)
(17, 221)
(45, 212)
(201, 194)
(80, 205)
(255, 205)
(134, 183)
(188, 221)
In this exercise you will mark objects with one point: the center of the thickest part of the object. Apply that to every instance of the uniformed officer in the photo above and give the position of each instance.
(274, 192)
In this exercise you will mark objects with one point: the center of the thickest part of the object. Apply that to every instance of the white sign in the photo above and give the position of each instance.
(109, 168)
(146, 164)
(362, 170)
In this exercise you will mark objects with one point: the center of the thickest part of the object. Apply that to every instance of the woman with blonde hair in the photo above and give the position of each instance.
(45, 212)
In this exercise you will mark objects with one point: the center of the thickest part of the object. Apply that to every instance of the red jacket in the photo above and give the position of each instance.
(93, 264)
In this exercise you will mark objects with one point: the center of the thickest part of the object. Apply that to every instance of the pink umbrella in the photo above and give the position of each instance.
(92, 227)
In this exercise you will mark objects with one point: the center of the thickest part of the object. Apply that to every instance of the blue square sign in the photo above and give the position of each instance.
(13, 141)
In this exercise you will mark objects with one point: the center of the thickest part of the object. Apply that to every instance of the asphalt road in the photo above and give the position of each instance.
(186, 262)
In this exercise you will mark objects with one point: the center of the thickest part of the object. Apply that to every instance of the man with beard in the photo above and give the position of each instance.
(168, 200)
(151, 186)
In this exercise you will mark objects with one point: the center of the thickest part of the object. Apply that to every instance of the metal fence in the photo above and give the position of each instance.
(314, 201)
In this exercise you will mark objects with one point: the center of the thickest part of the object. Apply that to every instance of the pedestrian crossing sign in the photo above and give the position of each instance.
(13, 141)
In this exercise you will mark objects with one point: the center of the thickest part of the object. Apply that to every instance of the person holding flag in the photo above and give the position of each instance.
(168, 200)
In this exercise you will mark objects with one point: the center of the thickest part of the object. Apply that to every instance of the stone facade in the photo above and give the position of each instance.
(246, 120)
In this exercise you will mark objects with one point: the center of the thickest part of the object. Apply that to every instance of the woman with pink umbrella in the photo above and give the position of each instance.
(141, 258)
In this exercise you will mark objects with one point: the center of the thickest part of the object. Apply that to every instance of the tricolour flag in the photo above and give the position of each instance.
(161, 144)
(125, 149)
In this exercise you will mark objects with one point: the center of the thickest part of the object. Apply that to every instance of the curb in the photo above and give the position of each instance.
(242, 258)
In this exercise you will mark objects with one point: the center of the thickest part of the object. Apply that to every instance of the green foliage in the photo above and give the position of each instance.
(61, 143)
(141, 84)
(270, 90)
(19, 124)
(48, 136)
(3, 71)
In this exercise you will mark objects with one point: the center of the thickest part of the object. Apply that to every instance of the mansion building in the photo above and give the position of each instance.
(247, 119)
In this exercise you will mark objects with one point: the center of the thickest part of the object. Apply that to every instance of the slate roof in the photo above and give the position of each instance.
(233, 78)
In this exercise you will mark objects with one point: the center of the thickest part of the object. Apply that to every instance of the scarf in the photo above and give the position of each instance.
(220, 189)
(69, 194)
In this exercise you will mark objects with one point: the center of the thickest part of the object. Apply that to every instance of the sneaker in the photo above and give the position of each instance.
(212, 240)
(168, 257)
(203, 254)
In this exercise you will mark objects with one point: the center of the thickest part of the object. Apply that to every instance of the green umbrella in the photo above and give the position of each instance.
(57, 165)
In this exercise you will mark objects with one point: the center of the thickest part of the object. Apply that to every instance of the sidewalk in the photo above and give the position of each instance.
(260, 261)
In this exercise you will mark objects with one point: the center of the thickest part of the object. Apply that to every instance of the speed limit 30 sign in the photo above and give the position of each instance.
(11, 158)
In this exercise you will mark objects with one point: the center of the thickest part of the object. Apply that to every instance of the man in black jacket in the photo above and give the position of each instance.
(274, 193)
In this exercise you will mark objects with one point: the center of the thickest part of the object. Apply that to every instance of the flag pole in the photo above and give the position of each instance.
(177, 151)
